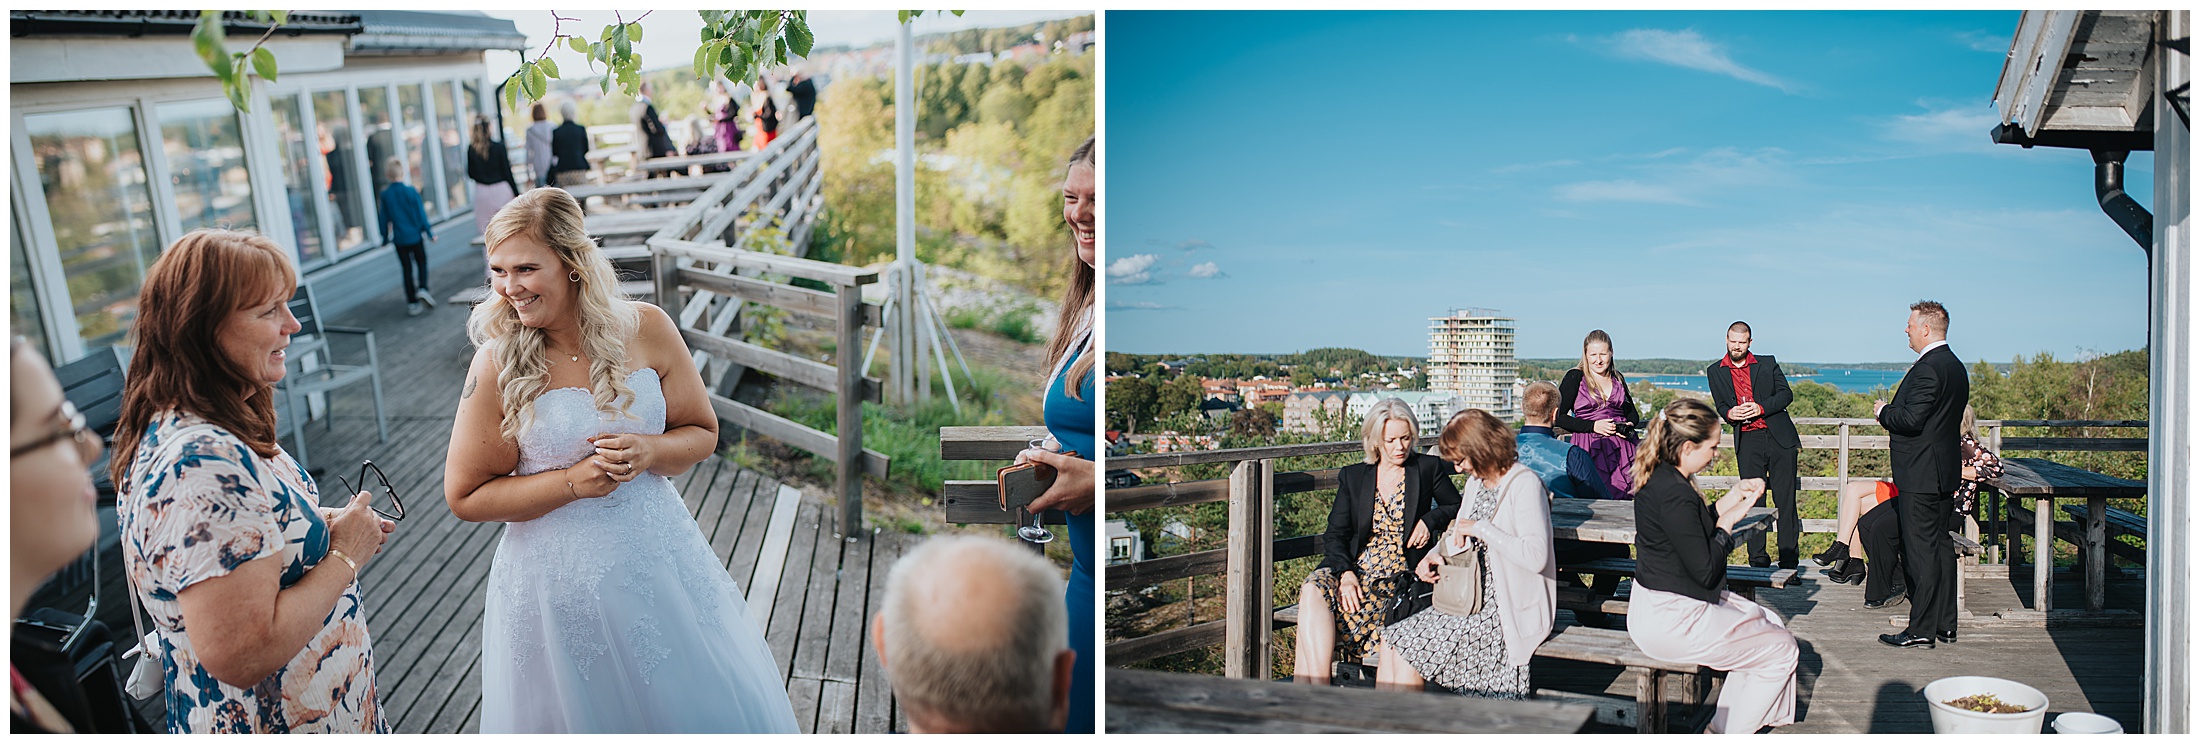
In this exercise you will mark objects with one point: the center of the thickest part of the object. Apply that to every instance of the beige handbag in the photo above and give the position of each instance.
(1459, 579)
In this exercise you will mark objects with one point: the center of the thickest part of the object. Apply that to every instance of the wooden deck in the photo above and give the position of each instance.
(811, 592)
(1848, 683)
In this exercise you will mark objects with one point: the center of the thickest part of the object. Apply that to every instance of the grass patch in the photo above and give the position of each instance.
(910, 435)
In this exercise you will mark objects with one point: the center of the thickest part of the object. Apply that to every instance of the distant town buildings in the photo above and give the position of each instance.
(1431, 408)
(1302, 412)
(1470, 354)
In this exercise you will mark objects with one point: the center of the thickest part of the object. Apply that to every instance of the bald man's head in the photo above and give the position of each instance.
(974, 636)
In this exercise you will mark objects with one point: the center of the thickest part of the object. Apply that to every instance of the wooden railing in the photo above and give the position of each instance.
(1247, 562)
(978, 501)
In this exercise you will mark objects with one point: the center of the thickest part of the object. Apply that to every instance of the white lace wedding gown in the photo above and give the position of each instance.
(612, 615)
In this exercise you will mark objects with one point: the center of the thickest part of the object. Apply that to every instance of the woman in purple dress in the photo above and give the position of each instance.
(1594, 405)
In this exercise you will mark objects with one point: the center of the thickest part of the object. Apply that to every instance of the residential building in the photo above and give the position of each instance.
(124, 141)
(1470, 354)
(1125, 545)
(1431, 408)
(1302, 412)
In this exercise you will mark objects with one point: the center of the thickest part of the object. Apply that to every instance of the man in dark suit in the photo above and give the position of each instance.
(1922, 426)
(1752, 394)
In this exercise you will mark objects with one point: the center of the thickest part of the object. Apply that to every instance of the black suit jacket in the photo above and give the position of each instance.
(1923, 422)
(569, 147)
(1768, 385)
(1430, 498)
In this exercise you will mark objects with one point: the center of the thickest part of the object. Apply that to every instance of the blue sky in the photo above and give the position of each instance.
(1284, 181)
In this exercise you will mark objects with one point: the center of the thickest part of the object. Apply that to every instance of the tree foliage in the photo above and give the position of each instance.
(736, 44)
(236, 69)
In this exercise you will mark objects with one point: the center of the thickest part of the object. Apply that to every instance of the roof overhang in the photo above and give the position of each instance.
(2080, 79)
(414, 32)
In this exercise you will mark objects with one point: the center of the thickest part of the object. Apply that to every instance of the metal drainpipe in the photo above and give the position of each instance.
(2108, 186)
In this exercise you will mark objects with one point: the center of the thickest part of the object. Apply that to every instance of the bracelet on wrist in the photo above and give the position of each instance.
(339, 555)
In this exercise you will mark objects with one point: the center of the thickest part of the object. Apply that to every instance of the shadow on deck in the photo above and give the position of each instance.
(809, 591)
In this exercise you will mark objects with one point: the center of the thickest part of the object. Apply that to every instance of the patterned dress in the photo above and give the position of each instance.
(1465, 654)
(197, 505)
(1358, 633)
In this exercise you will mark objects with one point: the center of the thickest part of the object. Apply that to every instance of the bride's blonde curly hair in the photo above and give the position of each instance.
(607, 320)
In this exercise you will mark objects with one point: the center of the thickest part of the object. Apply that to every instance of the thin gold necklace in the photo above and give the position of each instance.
(575, 357)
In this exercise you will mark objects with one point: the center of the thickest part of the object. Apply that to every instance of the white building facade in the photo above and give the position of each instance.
(122, 141)
(1431, 408)
(1470, 354)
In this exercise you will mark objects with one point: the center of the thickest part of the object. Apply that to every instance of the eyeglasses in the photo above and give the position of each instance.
(366, 467)
(87, 441)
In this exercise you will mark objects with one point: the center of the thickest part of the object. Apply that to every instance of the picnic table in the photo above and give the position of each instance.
(1150, 702)
(1606, 521)
(2043, 481)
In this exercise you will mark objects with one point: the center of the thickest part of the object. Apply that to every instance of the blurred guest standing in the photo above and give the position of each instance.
(51, 521)
(569, 148)
(1925, 445)
(252, 585)
(1752, 394)
(538, 147)
(491, 170)
(405, 223)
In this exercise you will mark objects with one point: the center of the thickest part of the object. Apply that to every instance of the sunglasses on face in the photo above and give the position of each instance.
(396, 510)
(87, 442)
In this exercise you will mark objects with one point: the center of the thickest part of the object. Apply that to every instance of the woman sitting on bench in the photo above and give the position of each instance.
(1681, 610)
(1385, 512)
(1507, 521)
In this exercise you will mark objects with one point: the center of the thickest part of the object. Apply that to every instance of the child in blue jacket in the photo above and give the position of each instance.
(405, 223)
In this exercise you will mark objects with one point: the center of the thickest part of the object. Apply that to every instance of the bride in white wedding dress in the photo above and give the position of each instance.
(607, 611)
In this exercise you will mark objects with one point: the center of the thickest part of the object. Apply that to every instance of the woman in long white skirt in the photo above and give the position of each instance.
(490, 169)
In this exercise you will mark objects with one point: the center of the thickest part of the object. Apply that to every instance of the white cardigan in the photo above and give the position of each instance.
(1521, 560)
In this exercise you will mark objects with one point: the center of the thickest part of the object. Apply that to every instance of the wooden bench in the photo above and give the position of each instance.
(1596, 646)
(2074, 532)
(2118, 522)
(1742, 580)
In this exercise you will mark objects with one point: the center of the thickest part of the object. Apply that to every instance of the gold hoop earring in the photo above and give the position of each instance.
(575, 276)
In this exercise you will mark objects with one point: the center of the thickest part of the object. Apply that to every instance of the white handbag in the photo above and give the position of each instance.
(147, 675)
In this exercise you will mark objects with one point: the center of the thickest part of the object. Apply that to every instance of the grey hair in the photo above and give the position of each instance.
(940, 657)
(1371, 433)
(570, 111)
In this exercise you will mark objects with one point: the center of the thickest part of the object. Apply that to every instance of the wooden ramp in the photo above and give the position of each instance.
(808, 591)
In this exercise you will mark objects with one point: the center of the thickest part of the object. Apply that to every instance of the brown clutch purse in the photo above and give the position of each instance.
(1020, 484)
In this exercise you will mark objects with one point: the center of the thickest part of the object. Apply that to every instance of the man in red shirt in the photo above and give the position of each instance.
(1750, 393)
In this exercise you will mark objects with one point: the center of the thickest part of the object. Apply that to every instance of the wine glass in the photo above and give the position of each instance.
(1034, 533)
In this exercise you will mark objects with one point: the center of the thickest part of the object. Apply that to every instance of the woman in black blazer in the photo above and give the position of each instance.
(1681, 610)
(1367, 551)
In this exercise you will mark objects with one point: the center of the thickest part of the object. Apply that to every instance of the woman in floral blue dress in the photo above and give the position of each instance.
(252, 586)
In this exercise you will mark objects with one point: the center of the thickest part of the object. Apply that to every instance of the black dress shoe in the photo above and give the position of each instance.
(1846, 571)
(1898, 597)
(1760, 561)
(1905, 640)
(1948, 637)
(1789, 563)
(1827, 557)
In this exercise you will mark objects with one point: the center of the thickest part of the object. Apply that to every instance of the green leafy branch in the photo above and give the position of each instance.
(736, 44)
(236, 68)
(908, 14)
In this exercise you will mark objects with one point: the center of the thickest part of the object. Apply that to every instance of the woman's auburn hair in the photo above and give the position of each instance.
(1076, 313)
(188, 294)
(1485, 444)
(607, 320)
(1684, 421)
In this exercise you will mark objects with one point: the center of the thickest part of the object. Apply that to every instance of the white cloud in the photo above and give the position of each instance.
(1621, 191)
(1117, 305)
(1983, 41)
(1206, 270)
(1134, 269)
(1686, 48)
(1961, 129)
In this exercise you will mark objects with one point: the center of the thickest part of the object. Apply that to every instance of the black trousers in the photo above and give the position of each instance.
(1880, 531)
(1929, 557)
(408, 258)
(1761, 457)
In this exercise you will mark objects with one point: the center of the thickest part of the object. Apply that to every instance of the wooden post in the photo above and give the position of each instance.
(664, 272)
(2043, 553)
(848, 400)
(1249, 582)
(1997, 515)
(2096, 553)
(1841, 489)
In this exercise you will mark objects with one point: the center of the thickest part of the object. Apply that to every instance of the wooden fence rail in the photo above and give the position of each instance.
(978, 501)
(1247, 561)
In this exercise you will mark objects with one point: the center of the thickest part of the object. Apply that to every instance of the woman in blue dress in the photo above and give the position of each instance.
(1071, 418)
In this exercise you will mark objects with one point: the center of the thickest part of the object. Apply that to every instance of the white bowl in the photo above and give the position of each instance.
(1948, 719)
(2086, 723)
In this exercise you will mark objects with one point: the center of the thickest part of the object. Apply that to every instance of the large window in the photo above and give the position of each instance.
(332, 126)
(23, 310)
(206, 164)
(417, 170)
(297, 158)
(453, 131)
(93, 176)
(374, 114)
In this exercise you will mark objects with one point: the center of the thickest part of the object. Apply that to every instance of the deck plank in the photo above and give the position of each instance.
(747, 543)
(786, 618)
(874, 695)
(816, 633)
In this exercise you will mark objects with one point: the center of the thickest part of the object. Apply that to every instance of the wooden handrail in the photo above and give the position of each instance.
(978, 501)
